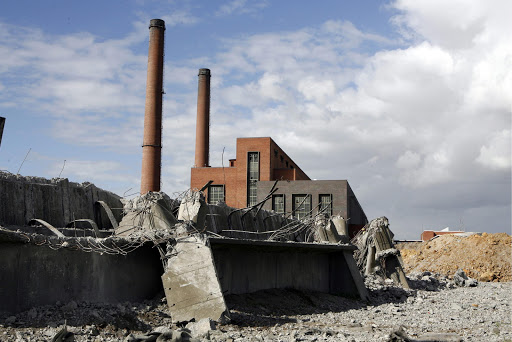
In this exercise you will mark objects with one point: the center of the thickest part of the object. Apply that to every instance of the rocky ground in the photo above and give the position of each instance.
(434, 310)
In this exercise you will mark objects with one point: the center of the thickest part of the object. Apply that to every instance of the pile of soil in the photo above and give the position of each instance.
(485, 257)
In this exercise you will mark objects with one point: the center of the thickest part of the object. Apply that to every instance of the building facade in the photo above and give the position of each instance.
(257, 159)
(249, 178)
(306, 198)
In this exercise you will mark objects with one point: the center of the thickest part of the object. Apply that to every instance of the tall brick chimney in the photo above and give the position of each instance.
(203, 119)
(152, 141)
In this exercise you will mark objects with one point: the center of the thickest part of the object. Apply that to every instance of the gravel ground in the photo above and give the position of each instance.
(434, 310)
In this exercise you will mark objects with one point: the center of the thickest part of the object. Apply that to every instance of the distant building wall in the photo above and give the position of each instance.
(221, 176)
(338, 188)
(56, 201)
(274, 163)
(429, 234)
(344, 201)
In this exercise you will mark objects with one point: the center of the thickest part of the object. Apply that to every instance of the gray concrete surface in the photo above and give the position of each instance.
(248, 266)
(191, 284)
(57, 201)
(32, 275)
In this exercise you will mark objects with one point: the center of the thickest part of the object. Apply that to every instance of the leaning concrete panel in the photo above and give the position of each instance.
(191, 285)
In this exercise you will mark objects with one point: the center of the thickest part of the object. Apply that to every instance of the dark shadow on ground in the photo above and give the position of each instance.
(278, 306)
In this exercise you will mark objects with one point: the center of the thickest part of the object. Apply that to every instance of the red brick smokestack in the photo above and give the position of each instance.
(203, 119)
(152, 142)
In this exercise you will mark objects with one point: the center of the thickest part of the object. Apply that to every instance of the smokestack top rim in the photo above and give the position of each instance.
(204, 71)
(157, 23)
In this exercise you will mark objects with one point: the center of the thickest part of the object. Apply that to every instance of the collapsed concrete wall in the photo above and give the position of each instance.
(33, 274)
(245, 266)
(57, 201)
(206, 252)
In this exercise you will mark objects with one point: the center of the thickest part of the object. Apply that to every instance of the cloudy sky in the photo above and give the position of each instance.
(410, 100)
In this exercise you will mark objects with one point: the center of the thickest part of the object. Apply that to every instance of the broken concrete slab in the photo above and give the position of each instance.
(341, 227)
(376, 252)
(193, 208)
(191, 285)
(332, 230)
(151, 211)
(201, 328)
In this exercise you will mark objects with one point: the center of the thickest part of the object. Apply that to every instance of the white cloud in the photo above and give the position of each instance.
(179, 18)
(240, 7)
(453, 24)
(497, 153)
(408, 160)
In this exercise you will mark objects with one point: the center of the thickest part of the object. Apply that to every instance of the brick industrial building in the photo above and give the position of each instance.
(259, 162)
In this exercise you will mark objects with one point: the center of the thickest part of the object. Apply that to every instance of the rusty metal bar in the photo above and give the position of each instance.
(47, 225)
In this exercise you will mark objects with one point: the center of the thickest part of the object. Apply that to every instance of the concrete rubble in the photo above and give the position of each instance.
(376, 252)
(479, 313)
(461, 279)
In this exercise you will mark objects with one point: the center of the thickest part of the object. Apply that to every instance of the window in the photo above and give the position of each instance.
(215, 194)
(301, 206)
(253, 176)
(325, 202)
(287, 163)
(282, 158)
(278, 203)
(275, 153)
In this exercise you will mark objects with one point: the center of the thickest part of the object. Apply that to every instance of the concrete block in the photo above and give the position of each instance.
(193, 208)
(341, 227)
(191, 284)
(320, 233)
(152, 211)
(201, 328)
(332, 233)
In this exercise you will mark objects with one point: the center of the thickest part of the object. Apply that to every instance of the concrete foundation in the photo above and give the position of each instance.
(33, 275)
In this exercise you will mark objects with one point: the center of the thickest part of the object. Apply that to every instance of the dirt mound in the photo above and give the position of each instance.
(485, 257)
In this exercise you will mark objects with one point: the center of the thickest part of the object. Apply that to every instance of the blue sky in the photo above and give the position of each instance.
(408, 100)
